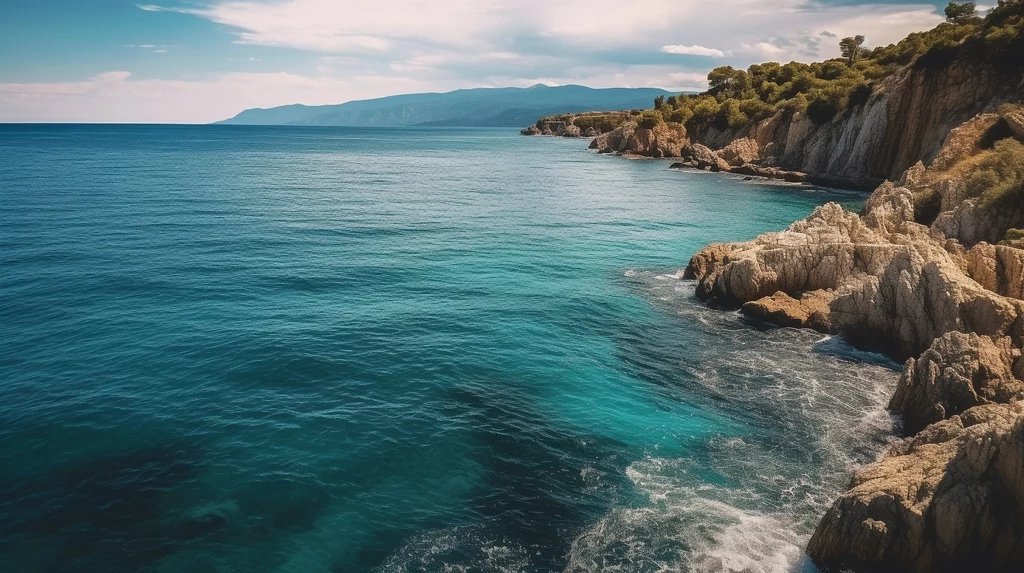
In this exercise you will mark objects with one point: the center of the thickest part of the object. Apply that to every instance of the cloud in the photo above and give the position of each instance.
(693, 50)
(330, 51)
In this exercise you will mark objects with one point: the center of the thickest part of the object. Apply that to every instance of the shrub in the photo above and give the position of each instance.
(729, 116)
(1014, 235)
(679, 115)
(999, 178)
(649, 119)
(859, 95)
(821, 109)
(756, 110)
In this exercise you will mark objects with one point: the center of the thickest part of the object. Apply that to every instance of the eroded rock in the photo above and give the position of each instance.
(948, 499)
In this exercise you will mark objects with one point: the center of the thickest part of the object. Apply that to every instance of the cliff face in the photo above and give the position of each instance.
(906, 120)
(915, 286)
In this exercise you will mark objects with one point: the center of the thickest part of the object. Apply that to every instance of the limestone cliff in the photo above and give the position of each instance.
(906, 119)
(899, 277)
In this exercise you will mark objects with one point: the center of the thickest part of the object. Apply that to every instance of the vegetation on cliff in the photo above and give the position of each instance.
(736, 98)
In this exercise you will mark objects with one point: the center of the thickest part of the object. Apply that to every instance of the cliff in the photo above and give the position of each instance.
(914, 275)
(905, 119)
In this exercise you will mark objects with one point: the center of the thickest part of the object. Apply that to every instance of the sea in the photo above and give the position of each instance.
(292, 349)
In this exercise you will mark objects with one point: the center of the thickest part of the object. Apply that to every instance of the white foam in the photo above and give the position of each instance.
(757, 514)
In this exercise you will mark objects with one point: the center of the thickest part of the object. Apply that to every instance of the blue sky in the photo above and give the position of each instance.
(203, 60)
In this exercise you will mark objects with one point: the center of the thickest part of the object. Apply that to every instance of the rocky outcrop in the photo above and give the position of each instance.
(949, 499)
(998, 268)
(740, 151)
(959, 371)
(707, 159)
(905, 120)
(811, 310)
(663, 140)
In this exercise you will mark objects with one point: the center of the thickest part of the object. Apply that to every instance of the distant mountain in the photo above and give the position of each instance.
(478, 107)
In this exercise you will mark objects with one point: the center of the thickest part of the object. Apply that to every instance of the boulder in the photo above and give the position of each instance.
(948, 499)
(739, 152)
(959, 371)
(706, 158)
(809, 311)
(531, 130)
(999, 268)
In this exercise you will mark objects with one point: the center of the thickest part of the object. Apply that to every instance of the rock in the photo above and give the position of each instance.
(809, 311)
(949, 499)
(1015, 120)
(888, 208)
(739, 152)
(999, 268)
(959, 371)
(591, 132)
(706, 158)
(531, 130)
(570, 131)
(629, 139)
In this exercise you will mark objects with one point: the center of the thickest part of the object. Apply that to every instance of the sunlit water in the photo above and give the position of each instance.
(302, 350)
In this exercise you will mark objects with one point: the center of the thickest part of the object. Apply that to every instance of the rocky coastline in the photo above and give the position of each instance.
(934, 289)
(930, 272)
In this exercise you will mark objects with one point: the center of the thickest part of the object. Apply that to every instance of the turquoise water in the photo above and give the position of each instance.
(292, 349)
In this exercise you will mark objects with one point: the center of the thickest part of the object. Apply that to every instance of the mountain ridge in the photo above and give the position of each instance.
(471, 107)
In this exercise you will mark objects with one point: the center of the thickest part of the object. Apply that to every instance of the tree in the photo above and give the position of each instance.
(851, 48)
(960, 13)
(727, 80)
(659, 102)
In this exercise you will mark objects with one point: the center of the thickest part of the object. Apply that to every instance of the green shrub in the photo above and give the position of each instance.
(999, 177)
(859, 95)
(679, 115)
(756, 110)
(1014, 235)
(729, 116)
(821, 109)
(650, 119)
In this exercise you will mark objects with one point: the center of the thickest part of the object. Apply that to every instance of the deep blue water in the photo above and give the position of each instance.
(291, 349)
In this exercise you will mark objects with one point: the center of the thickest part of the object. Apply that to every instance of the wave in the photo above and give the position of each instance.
(815, 409)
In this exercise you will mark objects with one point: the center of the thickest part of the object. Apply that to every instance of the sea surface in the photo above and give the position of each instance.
(231, 349)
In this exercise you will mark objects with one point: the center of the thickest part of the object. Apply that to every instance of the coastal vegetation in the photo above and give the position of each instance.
(736, 98)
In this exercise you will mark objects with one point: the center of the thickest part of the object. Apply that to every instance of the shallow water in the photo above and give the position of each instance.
(320, 349)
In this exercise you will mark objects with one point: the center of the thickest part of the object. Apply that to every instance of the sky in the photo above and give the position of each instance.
(198, 61)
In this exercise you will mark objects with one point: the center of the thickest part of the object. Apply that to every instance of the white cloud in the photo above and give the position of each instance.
(353, 50)
(692, 50)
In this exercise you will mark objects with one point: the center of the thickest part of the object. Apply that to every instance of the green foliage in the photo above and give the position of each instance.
(679, 115)
(736, 98)
(851, 48)
(960, 13)
(756, 110)
(659, 102)
(649, 119)
(821, 109)
(1014, 235)
(999, 177)
(729, 115)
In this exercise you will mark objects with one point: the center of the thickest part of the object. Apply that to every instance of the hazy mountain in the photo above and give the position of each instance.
(480, 107)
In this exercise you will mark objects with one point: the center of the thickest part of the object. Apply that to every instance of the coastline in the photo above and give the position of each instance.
(939, 289)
